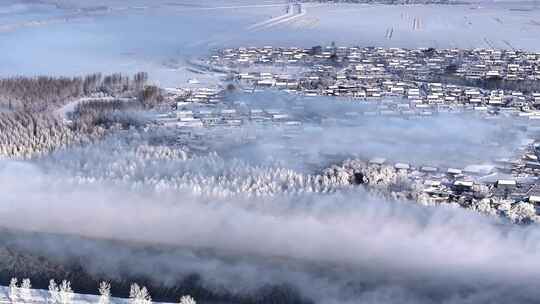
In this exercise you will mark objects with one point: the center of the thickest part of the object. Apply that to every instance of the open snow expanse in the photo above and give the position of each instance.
(74, 37)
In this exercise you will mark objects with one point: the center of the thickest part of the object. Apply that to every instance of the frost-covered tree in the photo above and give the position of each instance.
(41, 94)
(54, 292)
(26, 290)
(522, 212)
(425, 199)
(25, 135)
(139, 295)
(65, 292)
(14, 289)
(187, 299)
(104, 292)
(484, 206)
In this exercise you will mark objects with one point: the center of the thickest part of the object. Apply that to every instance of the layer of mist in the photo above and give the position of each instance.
(332, 248)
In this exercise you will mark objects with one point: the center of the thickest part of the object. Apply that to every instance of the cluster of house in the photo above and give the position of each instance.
(392, 81)
(504, 64)
(219, 114)
(516, 180)
(375, 74)
(469, 63)
(395, 2)
(195, 95)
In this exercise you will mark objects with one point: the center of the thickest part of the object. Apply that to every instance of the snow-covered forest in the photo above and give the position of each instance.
(33, 120)
(41, 94)
(25, 134)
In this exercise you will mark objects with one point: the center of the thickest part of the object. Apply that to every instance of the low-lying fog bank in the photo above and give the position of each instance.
(330, 248)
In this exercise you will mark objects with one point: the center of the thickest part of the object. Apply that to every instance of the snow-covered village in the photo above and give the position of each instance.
(277, 151)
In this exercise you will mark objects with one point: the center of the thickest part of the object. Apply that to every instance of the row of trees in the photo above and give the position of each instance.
(42, 93)
(24, 134)
(62, 293)
(28, 128)
(105, 113)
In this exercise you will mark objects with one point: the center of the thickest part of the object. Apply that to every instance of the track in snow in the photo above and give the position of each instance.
(294, 11)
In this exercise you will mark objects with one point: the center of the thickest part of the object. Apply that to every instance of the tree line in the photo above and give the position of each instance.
(62, 293)
(89, 114)
(28, 127)
(44, 93)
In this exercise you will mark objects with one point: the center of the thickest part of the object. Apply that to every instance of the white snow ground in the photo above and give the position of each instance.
(41, 296)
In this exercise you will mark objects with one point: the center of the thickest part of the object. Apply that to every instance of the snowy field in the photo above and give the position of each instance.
(78, 38)
(457, 26)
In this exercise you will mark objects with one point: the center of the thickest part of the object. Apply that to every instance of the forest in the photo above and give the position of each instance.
(31, 122)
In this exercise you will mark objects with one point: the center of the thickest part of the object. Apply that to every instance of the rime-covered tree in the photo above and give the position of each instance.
(43, 93)
(104, 292)
(187, 299)
(14, 290)
(54, 292)
(139, 295)
(65, 292)
(522, 213)
(26, 134)
(26, 290)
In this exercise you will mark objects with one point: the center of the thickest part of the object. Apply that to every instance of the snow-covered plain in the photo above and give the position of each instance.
(489, 25)
(143, 35)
